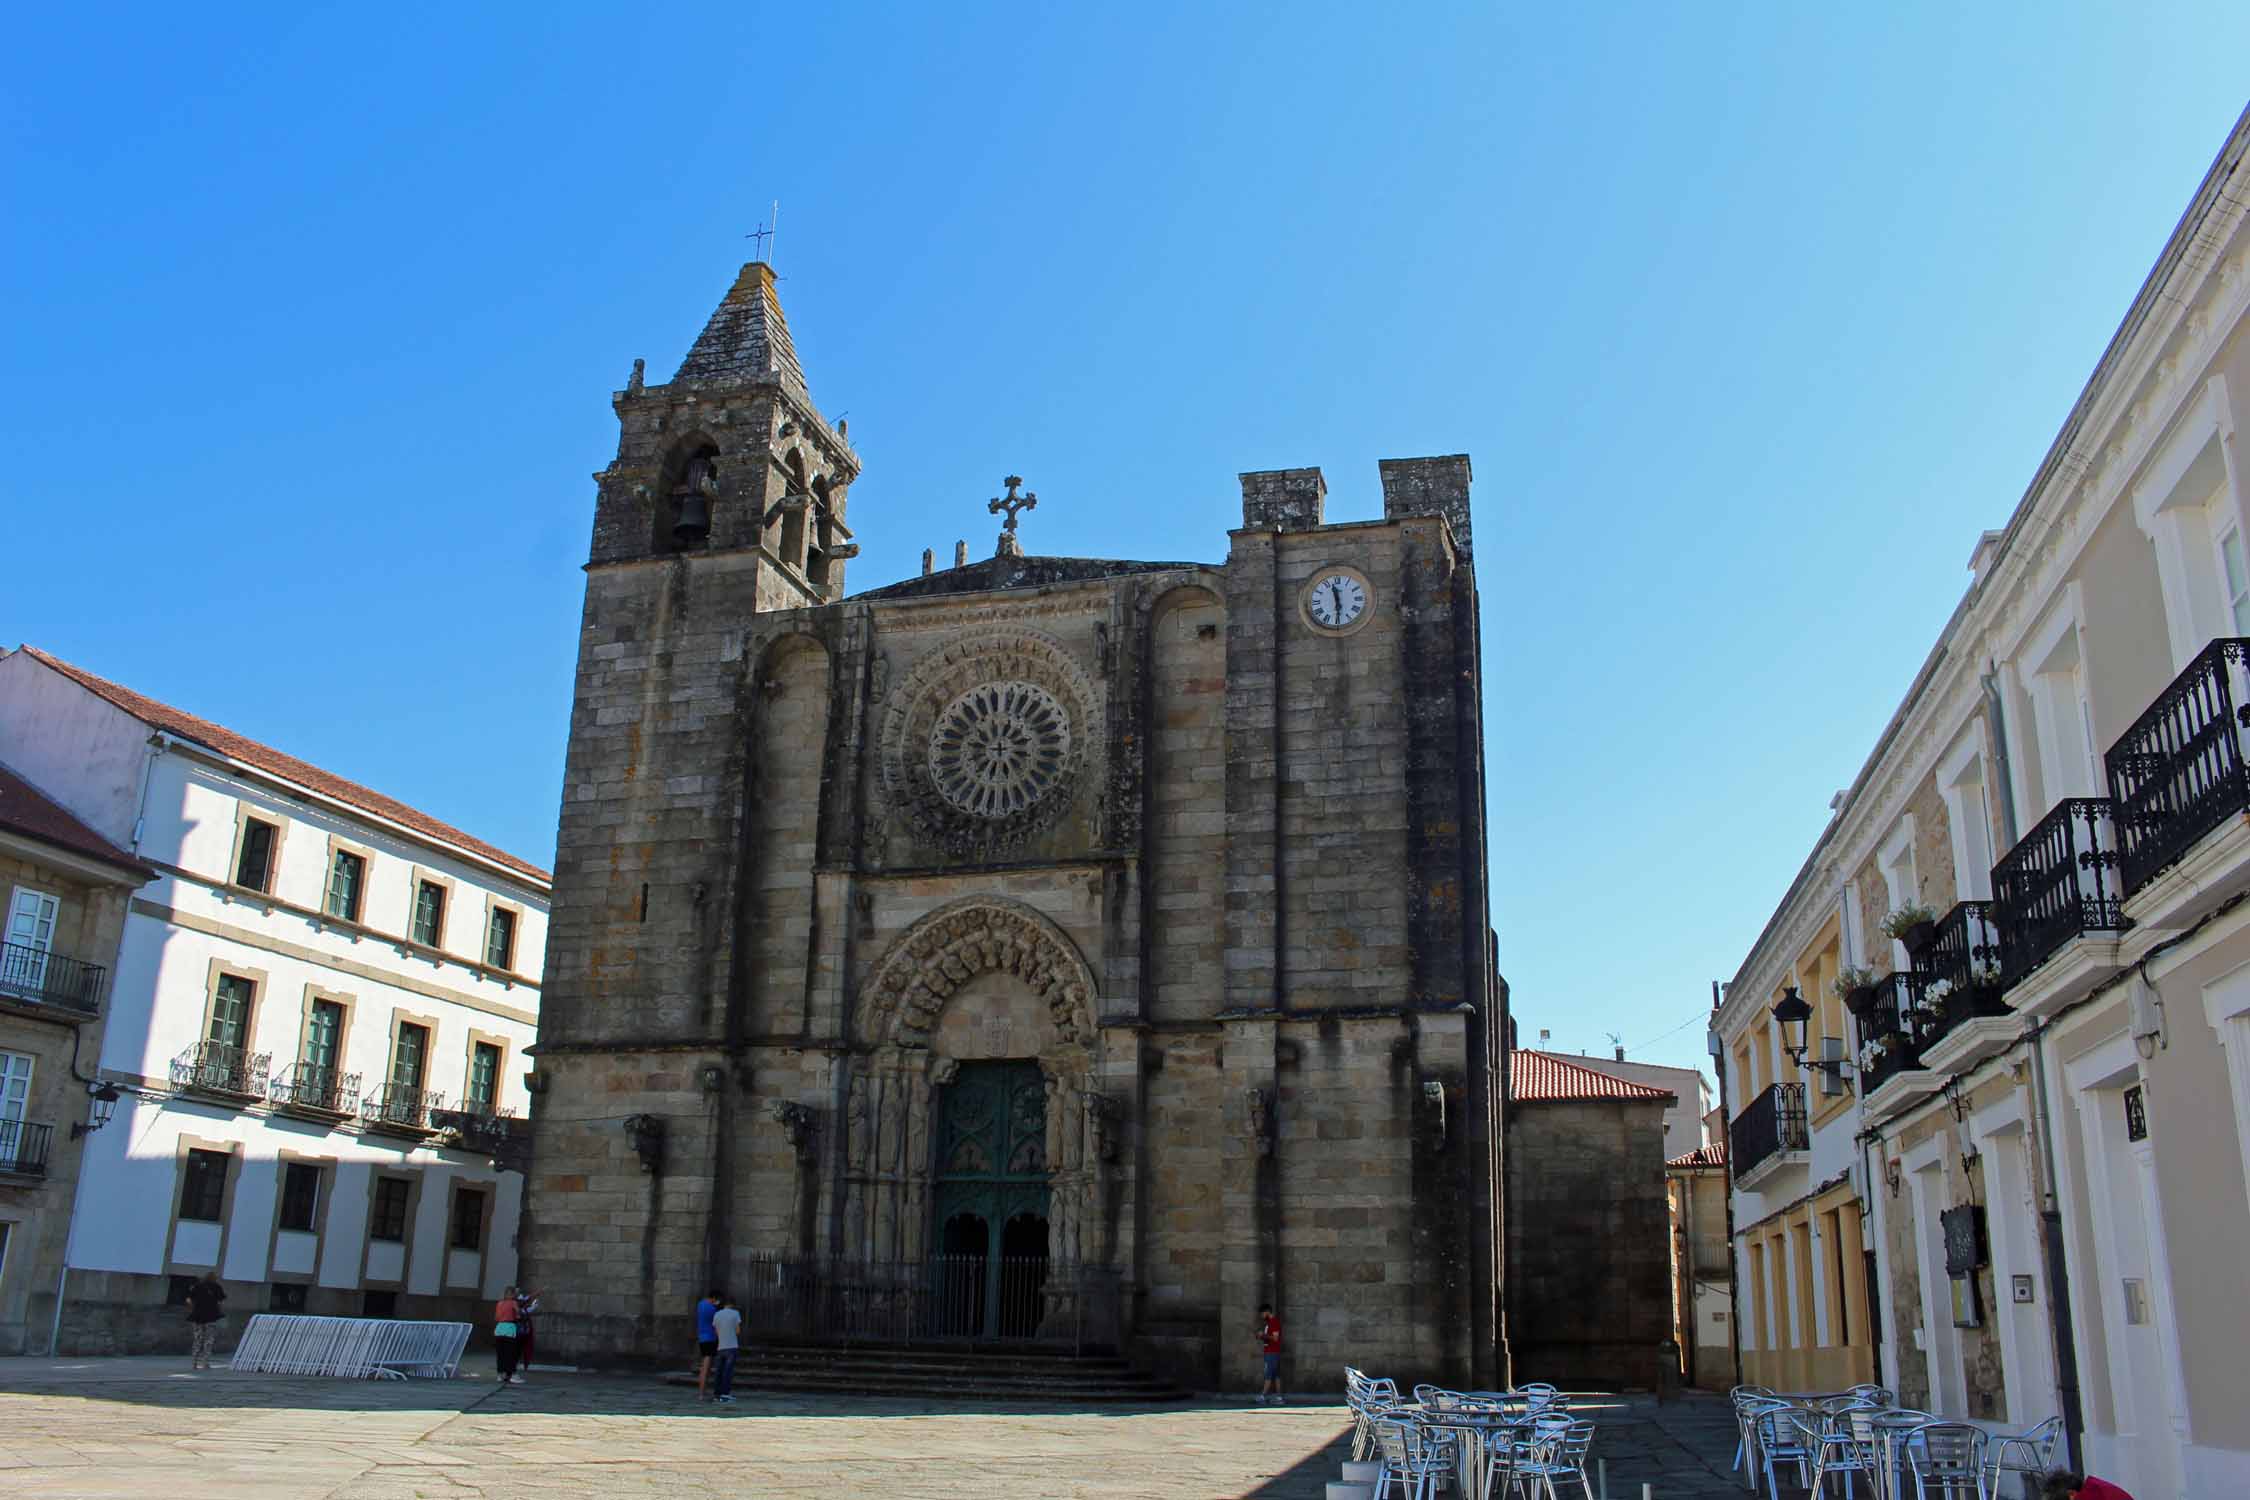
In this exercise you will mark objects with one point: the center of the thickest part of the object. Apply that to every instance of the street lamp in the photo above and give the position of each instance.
(1792, 1011)
(101, 1102)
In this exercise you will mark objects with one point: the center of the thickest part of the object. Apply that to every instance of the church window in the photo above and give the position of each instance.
(998, 747)
(794, 505)
(824, 537)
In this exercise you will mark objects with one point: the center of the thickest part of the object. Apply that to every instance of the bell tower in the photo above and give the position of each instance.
(725, 502)
(730, 463)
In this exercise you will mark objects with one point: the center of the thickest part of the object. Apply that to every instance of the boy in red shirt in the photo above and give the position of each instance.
(1269, 1345)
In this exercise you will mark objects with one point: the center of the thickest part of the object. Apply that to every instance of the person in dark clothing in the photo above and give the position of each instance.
(206, 1303)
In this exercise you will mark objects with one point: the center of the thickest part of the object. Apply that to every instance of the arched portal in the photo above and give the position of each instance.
(968, 1129)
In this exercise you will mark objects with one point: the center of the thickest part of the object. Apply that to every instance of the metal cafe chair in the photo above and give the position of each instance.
(1415, 1460)
(2028, 1452)
(1947, 1460)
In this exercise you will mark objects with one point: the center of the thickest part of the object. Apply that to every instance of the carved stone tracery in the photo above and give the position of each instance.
(983, 740)
(957, 943)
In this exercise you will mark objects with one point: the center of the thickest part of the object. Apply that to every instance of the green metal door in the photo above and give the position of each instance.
(989, 1207)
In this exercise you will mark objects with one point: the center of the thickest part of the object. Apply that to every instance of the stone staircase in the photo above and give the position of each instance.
(942, 1372)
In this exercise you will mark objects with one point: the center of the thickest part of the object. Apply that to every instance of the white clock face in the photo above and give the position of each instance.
(1336, 600)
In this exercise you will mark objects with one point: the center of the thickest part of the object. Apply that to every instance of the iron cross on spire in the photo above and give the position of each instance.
(1012, 503)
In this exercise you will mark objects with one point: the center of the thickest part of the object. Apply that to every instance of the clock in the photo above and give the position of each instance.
(1336, 599)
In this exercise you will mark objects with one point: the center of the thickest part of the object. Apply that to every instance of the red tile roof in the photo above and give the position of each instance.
(1713, 1155)
(188, 727)
(27, 810)
(1541, 1076)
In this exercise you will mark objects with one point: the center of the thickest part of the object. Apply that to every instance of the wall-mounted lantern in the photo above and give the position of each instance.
(1792, 1011)
(101, 1103)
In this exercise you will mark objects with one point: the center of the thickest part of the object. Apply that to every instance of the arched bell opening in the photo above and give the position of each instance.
(689, 498)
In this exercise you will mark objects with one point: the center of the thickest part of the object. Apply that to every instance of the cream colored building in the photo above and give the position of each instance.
(2038, 1104)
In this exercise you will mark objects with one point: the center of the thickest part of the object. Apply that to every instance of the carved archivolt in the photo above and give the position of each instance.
(983, 740)
(960, 942)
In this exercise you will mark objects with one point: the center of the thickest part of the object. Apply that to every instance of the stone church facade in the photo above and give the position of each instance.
(1121, 920)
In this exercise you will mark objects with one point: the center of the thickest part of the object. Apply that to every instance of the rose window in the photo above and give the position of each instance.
(997, 748)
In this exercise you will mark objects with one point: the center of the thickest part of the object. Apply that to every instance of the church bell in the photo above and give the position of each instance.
(694, 523)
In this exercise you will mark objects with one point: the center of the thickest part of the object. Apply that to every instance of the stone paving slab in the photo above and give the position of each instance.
(147, 1430)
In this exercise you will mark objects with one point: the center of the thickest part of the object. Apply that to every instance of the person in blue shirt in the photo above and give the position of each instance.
(706, 1339)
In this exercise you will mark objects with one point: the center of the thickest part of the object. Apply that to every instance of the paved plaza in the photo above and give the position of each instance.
(148, 1429)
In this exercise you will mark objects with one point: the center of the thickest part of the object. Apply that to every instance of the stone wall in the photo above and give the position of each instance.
(89, 919)
(1240, 926)
(1589, 1266)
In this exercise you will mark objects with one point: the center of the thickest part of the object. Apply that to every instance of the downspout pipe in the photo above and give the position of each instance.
(2067, 1392)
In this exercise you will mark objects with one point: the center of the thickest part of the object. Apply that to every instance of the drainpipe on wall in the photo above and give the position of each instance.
(2058, 1271)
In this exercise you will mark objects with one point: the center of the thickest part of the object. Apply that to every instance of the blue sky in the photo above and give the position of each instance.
(1750, 317)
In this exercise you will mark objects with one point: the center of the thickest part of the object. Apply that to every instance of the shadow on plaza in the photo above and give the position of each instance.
(164, 1382)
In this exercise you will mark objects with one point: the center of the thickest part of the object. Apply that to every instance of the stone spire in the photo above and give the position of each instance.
(747, 340)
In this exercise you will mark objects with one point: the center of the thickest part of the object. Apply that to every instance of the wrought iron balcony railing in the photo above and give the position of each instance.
(394, 1106)
(23, 1147)
(44, 978)
(213, 1068)
(321, 1090)
(1890, 1031)
(2058, 883)
(2179, 772)
(1769, 1124)
(1960, 973)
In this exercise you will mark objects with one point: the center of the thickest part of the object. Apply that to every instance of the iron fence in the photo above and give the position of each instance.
(23, 1147)
(44, 978)
(215, 1068)
(2178, 772)
(2059, 882)
(945, 1298)
(1959, 975)
(1771, 1123)
(1890, 1031)
(322, 1090)
(394, 1106)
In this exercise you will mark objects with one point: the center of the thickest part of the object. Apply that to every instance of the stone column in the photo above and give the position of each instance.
(1250, 1196)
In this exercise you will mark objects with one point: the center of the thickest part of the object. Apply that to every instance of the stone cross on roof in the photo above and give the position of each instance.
(1011, 503)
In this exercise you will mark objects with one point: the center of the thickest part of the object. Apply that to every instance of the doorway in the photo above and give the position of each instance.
(990, 1203)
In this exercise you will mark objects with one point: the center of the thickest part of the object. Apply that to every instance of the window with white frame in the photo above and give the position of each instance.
(2186, 502)
(2234, 579)
(1902, 886)
(2054, 673)
(1968, 815)
(30, 934)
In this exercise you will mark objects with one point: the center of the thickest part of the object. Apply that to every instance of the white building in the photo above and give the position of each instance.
(318, 1019)
(2011, 1059)
(1685, 1126)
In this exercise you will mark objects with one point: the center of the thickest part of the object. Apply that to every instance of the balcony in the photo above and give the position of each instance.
(482, 1126)
(37, 979)
(2178, 775)
(23, 1148)
(317, 1092)
(1957, 990)
(2060, 907)
(1769, 1134)
(233, 1074)
(1891, 1071)
(399, 1110)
